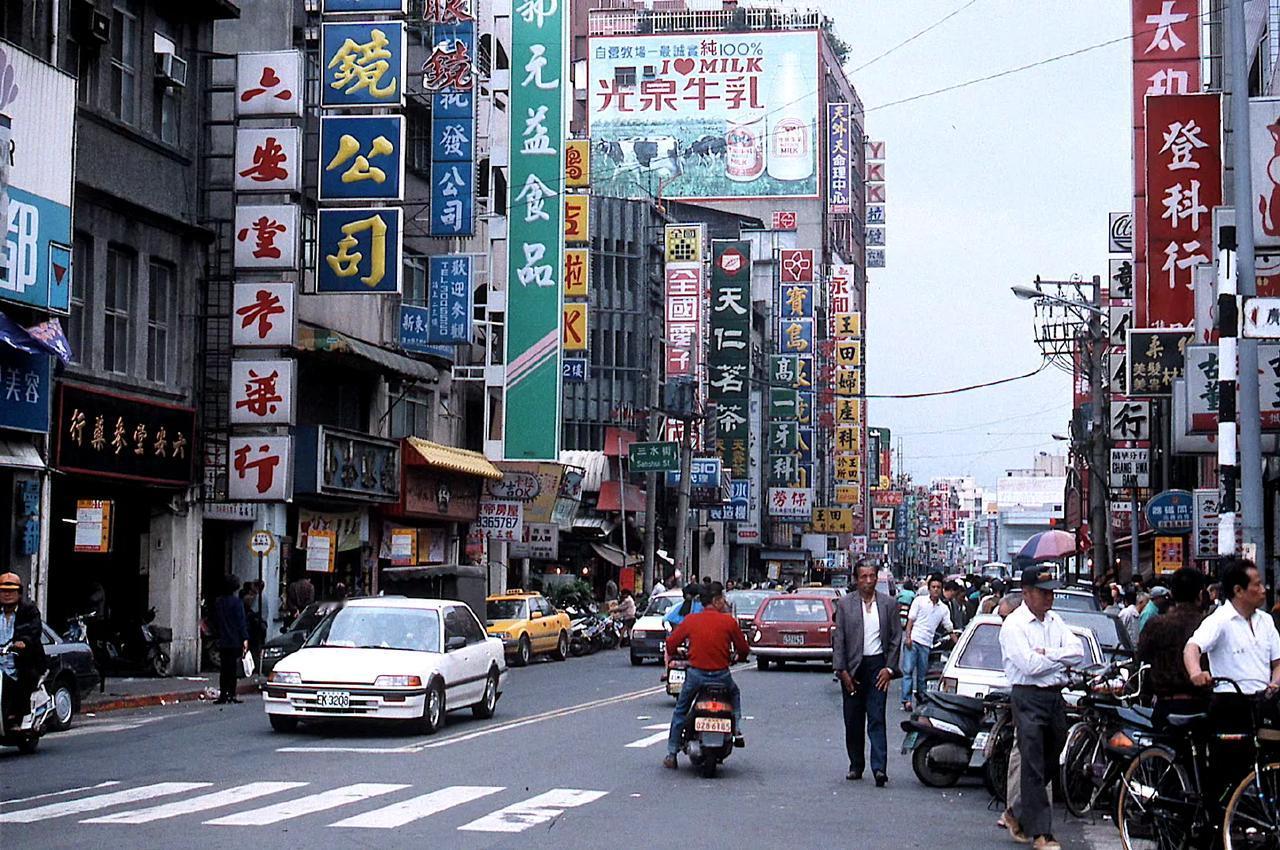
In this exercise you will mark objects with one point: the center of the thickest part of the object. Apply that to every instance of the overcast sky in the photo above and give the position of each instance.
(987, 187)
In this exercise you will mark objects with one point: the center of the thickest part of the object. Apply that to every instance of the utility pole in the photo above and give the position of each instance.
(682, 503)
(651, 478)
(1249, 416)
(1099, 461)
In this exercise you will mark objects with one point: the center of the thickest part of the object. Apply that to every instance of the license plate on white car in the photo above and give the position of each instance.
(793, 640)
(333, 699)
(712, 724)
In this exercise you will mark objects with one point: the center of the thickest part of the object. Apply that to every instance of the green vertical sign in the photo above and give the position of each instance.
(531, 419)
(729, 357)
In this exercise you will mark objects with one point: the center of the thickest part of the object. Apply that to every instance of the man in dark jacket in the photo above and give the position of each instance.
(233, 638)
(20, 624)
(1161, 643)
(867, 645)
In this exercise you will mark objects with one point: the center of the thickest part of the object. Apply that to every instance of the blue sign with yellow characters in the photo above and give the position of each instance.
(359, 250)
(363, 64)
(361, 158)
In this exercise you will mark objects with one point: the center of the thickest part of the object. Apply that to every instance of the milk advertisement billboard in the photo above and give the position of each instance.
(39, 103)
(705, 115)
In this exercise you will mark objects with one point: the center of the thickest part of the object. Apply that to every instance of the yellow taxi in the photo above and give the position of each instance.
(528, 625)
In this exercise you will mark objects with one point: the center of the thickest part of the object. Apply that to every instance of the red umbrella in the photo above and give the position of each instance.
(1047, 546)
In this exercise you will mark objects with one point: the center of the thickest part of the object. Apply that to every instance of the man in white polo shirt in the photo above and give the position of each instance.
(926, 615)
(1240, 640)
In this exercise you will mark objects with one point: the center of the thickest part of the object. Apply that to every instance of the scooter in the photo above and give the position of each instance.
(25, 734)
(942, 738)
(136, 646)
(677, 666)
(709, 731)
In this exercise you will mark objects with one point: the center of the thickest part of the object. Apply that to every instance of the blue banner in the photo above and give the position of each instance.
(453, 199)
(359, 250)
(448, 74)
(840, 161)
(449, 281)
(26, 390)
(361, 157)
(737, 508)
(703, 472)
(363, 64)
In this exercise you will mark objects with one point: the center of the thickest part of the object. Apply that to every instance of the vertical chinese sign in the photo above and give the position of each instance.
(847, 383)
(839, 162)
(449, 310)
(531, 419)
(875, 224)
(1183, 143)
(729, 356)
(268, 220)
(683, 246)
(577, 236)
(1166, 61)
(448, 76)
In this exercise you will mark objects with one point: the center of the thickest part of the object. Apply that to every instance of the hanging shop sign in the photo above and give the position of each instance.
(434, 495)
(261, 469)
(359, 249)
(729, 355)
(1169, 554)
(269, 83)
(1171, 511)
(448, 76)
(1156, 359)
(347, 464)
(26, 390)
(795, 503)
(840, 163)
(118, 436)
(266, 237)
(268, 160)
(262, 392)
(361, 158)
(363, 64)
(263, 315)
(451, 283)
(501, 520)
(1130, 468)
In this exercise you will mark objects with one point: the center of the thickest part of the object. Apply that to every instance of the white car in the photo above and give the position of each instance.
(976, 665)
(648, 634)
(389, 658)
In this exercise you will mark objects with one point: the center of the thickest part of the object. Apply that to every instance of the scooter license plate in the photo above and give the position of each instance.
(675, 677)
(713, 724)
(333, 699)
(909, 742)
(980, 741)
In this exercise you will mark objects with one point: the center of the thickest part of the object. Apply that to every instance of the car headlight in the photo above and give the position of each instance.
(272, 651)
(501, 635)
(280, 678)
(398, 682)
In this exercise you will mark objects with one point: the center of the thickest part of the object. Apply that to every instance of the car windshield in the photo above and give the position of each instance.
(746, 602)
(1075, 601)
(364, 627)
(982, 651)
(1112, 637)
(310, 617)
(794, 611)
(505, 609)
(659, 605)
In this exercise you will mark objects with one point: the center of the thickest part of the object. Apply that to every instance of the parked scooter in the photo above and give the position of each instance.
(25, 733)
(942, 737)
(585, 631)
(709, 730)
(135, 646)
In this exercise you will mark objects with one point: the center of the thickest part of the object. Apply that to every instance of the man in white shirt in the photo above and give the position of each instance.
(926, 615)
(1038, 650)
(1240, 640)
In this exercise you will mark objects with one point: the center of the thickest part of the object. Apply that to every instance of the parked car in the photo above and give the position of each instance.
(293, 635)
(1112, 636)
(527, 624)
(975, 667)
(1075, 599)
(648, 634)
(832, 593)
(745, 605)
(389, 658)
(72, 674)
(795, 627)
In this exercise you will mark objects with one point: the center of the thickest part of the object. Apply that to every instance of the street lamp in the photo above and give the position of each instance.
(1028, 293)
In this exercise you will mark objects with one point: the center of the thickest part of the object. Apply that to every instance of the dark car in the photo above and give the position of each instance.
(291, 638)
(1075, 599)
(72, 674)
(1113, 638)
(745, 604)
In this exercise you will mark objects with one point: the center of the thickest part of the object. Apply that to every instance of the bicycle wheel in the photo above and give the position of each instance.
(1252, 821)
(1147, 823)
(1076, 770)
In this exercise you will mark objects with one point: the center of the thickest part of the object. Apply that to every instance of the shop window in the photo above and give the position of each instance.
(122, 275)
(159, 316)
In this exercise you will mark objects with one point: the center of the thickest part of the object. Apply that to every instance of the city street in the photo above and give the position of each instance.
(573, 756)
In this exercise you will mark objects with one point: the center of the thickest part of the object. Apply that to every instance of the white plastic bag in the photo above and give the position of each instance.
(247, 663)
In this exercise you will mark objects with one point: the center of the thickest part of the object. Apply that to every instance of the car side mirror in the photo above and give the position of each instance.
(455, 642)
(535, 615)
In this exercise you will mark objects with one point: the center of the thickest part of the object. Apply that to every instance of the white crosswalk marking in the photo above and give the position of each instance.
(308, 805)
(203, 803)
(100, 801)
(399, 814)
(535, 810)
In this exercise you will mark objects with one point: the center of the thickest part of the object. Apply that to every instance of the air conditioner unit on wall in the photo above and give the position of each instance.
(89, 25)
(171, 70)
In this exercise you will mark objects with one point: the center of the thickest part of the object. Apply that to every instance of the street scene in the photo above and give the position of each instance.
(743, 423)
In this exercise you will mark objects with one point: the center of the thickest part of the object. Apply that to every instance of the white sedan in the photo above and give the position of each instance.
(389, 658)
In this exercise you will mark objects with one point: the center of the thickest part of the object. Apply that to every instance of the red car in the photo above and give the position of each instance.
(795, 627)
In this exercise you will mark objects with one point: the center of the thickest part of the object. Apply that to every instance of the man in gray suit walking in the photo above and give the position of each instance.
(867, 643)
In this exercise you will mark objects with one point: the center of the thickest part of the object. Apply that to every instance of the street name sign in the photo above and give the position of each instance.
(654, 457)
(1130, 467)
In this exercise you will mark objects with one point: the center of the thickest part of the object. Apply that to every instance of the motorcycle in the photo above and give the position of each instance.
(943, 738)
(25, 734)
(708, 734)
(677, 666)
(135, 646)
(585, 631)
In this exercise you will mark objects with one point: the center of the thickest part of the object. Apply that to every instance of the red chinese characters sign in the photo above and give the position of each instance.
(1166, 60)
(1184, 183)
(684, 317)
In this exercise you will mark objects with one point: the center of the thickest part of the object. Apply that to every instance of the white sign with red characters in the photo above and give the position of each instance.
(260, 469)
(266, 236)
(262, 315)
(267, 160)
(269, 83)
(262, 392)
(684, 318)
(791, 502)
(501, 519)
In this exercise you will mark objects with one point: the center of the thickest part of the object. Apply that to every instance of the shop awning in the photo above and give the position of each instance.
(613, 497)
(594, 525)
(616, 556)
(450, 459)
(593, 464)
(312, 338)
(19, 455)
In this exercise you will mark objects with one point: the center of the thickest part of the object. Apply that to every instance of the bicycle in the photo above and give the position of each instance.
(1252, 818)
(1093, 758)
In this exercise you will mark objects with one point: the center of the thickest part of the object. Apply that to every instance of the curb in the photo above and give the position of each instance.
(146, 700)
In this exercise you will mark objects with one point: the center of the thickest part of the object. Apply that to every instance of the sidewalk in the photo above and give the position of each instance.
(128, 692)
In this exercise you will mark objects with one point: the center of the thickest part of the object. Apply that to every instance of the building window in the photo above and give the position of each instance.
(81, 277)
(122, 274)
(624, 78)
(168, 115)
(124, 61)
(415, 280)
(412, 415)
(159, 307)
(417, 139)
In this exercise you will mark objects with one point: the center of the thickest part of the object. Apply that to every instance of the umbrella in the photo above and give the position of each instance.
(1047, 546)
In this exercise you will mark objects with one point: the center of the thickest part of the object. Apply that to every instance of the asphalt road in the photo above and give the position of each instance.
(572, 759)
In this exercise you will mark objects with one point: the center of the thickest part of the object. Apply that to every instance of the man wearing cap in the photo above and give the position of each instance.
(1161, 601)
(20, 623)
(1038, 649)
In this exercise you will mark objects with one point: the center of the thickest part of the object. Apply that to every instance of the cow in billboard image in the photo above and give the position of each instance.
(653, 154)
(1269, 208)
